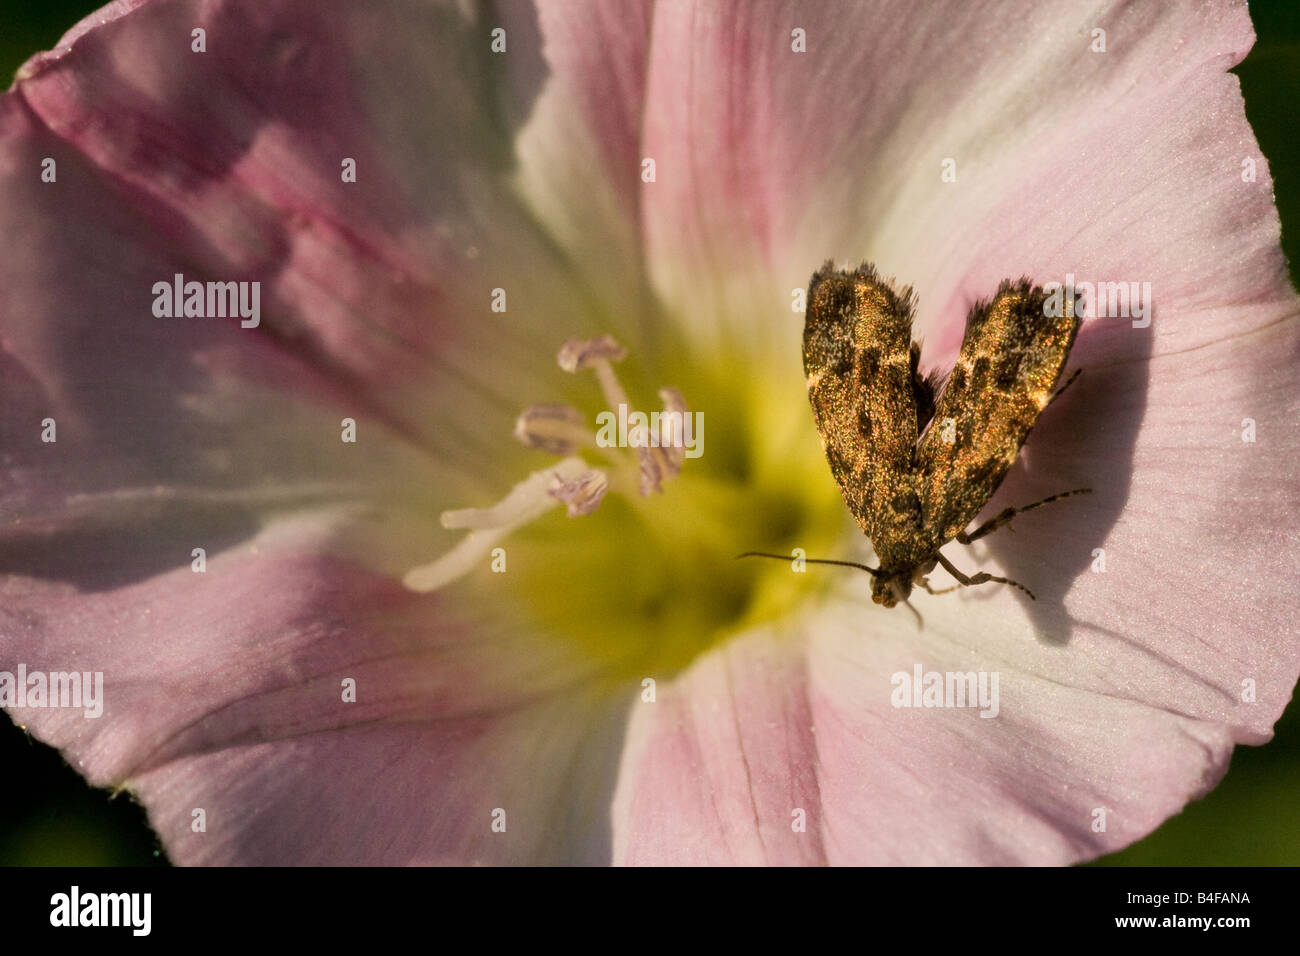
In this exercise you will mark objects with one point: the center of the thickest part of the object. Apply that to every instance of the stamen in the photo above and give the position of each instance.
(554, 429)
(560, 430)
(583, 494)
(581, 353)
(672, 431)
(597, 354)
(527, 501)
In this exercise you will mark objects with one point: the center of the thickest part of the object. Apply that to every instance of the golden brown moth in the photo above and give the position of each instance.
(916, 457)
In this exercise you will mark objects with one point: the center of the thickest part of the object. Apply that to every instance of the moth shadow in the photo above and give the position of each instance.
(1084, 439)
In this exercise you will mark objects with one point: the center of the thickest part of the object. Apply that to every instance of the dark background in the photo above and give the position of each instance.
(50, 816)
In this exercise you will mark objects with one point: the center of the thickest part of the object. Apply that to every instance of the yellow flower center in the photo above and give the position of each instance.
(646, 579)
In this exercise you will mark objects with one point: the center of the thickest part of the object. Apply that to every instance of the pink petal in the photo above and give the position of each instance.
(171, 433)
(234, 159)
(1122, 167)
(780, 728)
(715, 769)
(183, 433)
(769, 161)
(581, 151)
(223, 691)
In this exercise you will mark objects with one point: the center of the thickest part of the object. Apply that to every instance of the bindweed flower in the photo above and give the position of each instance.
(368, 578)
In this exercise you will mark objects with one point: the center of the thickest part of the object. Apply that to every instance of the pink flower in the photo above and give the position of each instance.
(430, 208)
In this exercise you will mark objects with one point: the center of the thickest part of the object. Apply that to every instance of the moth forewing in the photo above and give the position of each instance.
(858, 361)
(1011, 360)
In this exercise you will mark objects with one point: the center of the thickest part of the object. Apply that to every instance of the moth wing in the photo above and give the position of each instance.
(862, 385)
(1011, 359)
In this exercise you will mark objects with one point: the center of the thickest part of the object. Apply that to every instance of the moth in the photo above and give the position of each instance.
(916, 456)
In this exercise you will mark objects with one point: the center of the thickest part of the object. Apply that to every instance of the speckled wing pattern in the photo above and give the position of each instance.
(1006, 372)
(867, 397)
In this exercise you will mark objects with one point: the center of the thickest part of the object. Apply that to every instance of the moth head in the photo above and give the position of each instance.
(889, 590)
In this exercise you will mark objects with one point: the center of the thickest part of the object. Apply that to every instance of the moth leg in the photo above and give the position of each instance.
(930, 590)
(1068, 382)
(1004, 516)
(981, 577)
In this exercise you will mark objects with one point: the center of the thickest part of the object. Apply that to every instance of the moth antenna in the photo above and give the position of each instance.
(874, 572)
